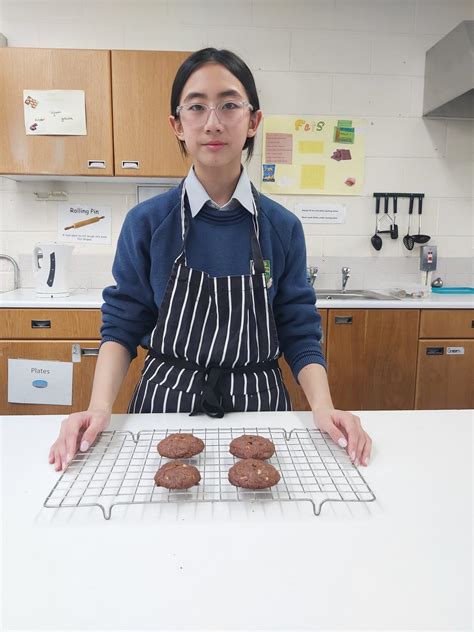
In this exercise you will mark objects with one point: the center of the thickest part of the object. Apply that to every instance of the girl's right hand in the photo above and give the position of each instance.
(78, 431)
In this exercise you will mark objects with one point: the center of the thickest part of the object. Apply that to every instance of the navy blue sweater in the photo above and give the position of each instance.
(219, 244)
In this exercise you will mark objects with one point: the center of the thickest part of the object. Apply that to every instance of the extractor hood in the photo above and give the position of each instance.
(449, 75)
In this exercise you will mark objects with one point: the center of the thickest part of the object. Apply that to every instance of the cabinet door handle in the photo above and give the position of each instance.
(130, 164)
(78, 351)
(40, 324)
(472, 324)
(343, 320)
(96, 164)
(90, 351)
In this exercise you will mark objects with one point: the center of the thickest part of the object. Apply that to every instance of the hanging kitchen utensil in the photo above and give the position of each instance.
(386, 215)
(394, 227)
(408, 239)
(375, 240)
(420, 238)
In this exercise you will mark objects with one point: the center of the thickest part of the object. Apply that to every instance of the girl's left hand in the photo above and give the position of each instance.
(345, 429)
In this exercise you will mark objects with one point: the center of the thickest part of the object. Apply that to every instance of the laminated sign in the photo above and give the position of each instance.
(39, 382)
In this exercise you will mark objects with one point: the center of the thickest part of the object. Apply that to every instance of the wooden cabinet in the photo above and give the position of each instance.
(390, 359)
(134, 85)
(144, 142)
(346, 347)
(55, 69)
(296, 393)
(371, 358)
(375, 360)
(445, 368)
(42, 334)
(51, 350)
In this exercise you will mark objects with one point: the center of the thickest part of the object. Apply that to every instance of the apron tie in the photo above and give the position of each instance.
(209, 401)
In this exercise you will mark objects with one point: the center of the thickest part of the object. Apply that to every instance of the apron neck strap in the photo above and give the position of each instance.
(185, 209)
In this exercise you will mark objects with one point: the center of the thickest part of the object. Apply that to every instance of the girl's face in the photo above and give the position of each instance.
(209, 141)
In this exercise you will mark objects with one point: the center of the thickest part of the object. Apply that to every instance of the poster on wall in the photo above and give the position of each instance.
(78, 223)
(311, 155)
(55, 112)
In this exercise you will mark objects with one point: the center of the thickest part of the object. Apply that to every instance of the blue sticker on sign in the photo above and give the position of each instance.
(40, 383)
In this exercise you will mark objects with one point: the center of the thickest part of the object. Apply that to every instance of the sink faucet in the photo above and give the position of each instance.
(313, 273)
(346, 273)
(16, 271)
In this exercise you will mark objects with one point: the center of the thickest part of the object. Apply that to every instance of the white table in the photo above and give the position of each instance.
(401, 562)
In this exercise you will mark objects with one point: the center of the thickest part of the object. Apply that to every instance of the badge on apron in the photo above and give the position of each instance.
(268, 275)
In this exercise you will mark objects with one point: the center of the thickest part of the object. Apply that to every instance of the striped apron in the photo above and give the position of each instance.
(214, 348)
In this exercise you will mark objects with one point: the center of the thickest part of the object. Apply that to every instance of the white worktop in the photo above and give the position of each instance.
(401, 562)
(26, 297)
(92, 298)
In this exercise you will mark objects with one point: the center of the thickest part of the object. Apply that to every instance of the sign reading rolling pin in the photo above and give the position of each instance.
(84, 224)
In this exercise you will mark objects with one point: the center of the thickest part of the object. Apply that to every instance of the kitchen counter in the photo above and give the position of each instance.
(26, 297)
(403, 561)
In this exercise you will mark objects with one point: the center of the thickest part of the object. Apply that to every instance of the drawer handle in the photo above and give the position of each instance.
(343, 320)
(40, 324)
(89, 351)
(434, 351)
(472, 324)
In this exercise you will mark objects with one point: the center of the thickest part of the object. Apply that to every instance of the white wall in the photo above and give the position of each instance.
(348, 58)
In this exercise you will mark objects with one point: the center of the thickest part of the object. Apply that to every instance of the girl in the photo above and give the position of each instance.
(211, 278)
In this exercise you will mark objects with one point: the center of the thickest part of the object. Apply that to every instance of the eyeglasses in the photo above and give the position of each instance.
(227, 112)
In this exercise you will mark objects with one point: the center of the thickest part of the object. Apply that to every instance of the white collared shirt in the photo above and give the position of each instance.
(198, 196)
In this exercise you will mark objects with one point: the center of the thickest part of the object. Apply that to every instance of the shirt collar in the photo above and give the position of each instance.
(198, 196)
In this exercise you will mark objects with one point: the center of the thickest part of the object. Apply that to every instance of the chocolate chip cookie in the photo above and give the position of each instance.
(180, 445)
(177, 475)
(252, 447)
(253, 474)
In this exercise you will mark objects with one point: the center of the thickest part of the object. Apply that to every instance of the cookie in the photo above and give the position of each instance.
(252, 447)
(253, 474)
(180, 445)
(177, 475)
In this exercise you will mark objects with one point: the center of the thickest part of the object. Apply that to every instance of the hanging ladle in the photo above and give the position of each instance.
(376, 240)
(420, 238)
(408, 241)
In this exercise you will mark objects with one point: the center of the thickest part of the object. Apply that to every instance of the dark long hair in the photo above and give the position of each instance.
(234, 64)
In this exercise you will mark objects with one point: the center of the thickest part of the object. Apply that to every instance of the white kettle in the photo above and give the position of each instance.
(51, 263)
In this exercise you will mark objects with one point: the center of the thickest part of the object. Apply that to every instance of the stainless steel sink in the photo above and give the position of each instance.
(353, 295)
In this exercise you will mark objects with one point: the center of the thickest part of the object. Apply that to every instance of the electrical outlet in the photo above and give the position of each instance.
(428, 258)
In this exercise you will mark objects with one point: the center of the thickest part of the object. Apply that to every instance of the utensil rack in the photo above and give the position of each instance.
(399, 195)
(119, 469)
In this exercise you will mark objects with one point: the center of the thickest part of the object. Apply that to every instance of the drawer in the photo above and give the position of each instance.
(445, 374)
(40, 324)
(447, 323)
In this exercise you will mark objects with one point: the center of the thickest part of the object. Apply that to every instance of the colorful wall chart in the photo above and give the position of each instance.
(311, 155)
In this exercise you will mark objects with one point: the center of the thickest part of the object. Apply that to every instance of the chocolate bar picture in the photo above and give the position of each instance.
(342, 154)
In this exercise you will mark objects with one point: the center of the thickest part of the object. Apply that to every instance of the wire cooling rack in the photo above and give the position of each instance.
(119, 469)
